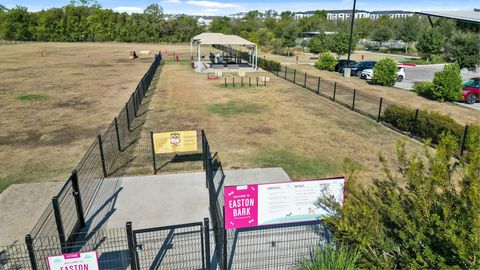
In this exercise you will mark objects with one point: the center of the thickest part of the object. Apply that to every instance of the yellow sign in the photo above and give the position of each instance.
(174, 142)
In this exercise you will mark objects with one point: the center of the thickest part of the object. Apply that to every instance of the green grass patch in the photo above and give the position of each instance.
(31, 97)
(234, 108)
(299, 166)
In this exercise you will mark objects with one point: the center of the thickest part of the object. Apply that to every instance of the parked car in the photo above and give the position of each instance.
(471, 90)
(367, 74)
(343, 64)
(357, 69)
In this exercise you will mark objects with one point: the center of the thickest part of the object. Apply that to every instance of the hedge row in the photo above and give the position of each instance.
(427, 125)
(269, 65)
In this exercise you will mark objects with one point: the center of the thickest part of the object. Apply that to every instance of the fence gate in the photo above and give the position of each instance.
(170, 247)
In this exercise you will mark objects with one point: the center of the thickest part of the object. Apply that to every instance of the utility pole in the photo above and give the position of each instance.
(351, 35)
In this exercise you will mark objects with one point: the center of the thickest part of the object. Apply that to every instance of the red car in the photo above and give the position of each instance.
(471, 90)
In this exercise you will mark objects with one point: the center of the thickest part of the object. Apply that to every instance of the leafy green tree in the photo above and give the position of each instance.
(408, 30)
(221, 25)
(423, 215)
(16, 24)
(430, 42)
(326, 61)
(289, 36)
(318, 44)
(338, 43)
(385, 72)
(447, 84)
(382, 34)
(464, 48)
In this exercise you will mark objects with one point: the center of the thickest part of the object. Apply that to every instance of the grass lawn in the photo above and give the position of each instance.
(52, 106)
(277, 125)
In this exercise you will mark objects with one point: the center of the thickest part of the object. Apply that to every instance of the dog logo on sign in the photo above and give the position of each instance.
(175, 139)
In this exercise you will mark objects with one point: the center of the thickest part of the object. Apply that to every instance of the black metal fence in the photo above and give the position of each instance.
(69, 209)
(353, 99)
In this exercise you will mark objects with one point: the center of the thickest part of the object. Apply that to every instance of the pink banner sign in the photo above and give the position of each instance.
(74, 261)
(288, 202)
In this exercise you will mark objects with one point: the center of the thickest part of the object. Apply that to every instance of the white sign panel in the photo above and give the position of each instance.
(74, 261)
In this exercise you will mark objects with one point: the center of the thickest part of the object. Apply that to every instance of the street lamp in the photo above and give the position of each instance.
(346, 72)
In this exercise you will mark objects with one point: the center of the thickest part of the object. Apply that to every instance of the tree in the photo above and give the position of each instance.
(326, 61)
(15, 24)
(289, 36)
(447, 84)
(464, 49)
(154, 11)
(409, 30)
(385, 72)
(430, 42)
(318, 44)
(338, 43)
(382, 34)
(426, 215)
(221, 25)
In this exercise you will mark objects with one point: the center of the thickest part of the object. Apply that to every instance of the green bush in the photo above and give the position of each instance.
(385, 72)
(428, 125)
(326, 61)
(269, 65)
(330, 257)
(447, 83)
(424, 89)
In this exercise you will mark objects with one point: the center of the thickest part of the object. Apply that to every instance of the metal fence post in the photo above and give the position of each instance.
(225, 81)
(118, 136)
(241, 78)
(294, 75)
(102, 156)
(464, 140)
(78, 198)
(131, 246)
(58, 221)
(380, 109)
(153, 154)
(305, 81)
(285, 72)
(233, 81)
(250, 81)
(128, 117)
(318, 86)
(134, 105)
(31, 251)
(334, 91)
(353, 102)
(257, 80)
(206, 228)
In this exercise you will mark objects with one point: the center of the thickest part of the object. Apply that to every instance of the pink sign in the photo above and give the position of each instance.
(241, 206)
(74, 261)
(288, 202)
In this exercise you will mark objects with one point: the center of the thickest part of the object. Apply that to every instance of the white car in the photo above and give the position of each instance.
(367, 74)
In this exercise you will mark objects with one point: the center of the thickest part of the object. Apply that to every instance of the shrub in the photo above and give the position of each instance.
(330, 257)
(428, 124)
(326, 61)
(447, 83)
(424, 89)
(385, 72)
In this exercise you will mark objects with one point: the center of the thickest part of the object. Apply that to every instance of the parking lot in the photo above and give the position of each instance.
(426, 73)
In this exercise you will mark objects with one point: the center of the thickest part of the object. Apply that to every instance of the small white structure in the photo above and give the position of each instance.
(212, 39)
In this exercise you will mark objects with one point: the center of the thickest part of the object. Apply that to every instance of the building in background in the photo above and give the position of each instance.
(345, 14)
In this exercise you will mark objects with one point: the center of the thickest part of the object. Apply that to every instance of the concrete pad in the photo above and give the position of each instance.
(21, 205)
(160, 200)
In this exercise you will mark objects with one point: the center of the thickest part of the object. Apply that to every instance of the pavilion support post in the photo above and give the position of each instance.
(199, 68)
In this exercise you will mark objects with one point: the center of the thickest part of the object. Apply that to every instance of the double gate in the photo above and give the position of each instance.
(183, 246)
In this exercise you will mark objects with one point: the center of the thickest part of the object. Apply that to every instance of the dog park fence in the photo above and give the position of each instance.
(67, 212)
(358, 101)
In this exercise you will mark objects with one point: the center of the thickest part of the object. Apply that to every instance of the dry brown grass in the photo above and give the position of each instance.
(308, 135)
(52, 106)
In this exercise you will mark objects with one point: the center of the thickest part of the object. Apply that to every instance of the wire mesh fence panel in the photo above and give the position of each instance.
(274, 246)
(344, 96)
(45, 224)
(14, 257)
(67, 209)
(172, 247)
(110, 146)
(367, 105)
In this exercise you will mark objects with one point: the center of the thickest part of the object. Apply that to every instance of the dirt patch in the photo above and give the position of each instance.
(260, 130)
(37, 139)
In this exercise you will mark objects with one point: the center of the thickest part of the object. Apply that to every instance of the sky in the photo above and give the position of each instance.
(227, 7)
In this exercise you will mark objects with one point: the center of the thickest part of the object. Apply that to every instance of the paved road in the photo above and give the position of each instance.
(426, 72)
